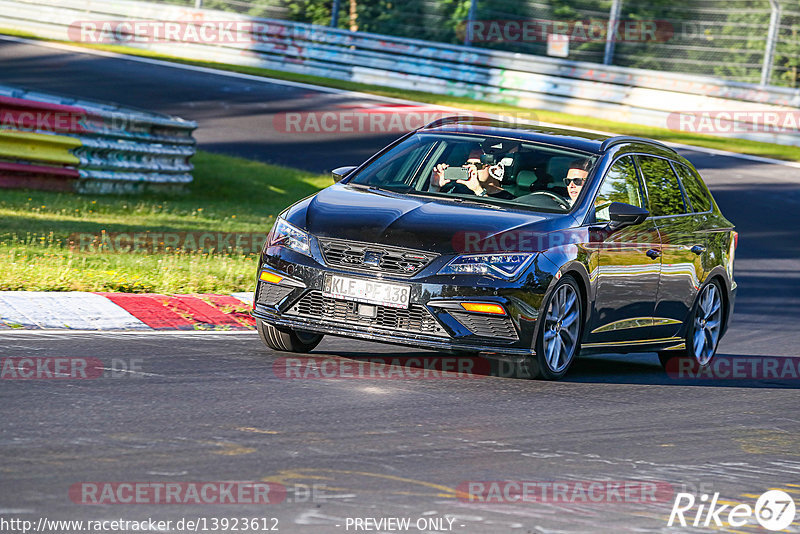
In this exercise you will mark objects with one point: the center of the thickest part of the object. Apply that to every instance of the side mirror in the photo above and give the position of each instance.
(623, 215)
(341, 172)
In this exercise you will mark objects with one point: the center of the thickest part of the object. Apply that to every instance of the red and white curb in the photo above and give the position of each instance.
(124, 311)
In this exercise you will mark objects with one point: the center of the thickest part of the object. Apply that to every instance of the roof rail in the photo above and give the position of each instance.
(454, 119)
(619, 139)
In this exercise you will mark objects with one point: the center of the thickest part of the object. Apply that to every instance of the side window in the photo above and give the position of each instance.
(694, 188)
(619, 185)
(663, 190)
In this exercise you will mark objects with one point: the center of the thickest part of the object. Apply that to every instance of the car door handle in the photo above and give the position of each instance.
(698, 249)
(653, 253)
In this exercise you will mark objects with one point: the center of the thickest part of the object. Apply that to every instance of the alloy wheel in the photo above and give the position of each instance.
(707, 324)
(561, 328)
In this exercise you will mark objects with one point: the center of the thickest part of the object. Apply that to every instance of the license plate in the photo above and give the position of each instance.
(369, 291)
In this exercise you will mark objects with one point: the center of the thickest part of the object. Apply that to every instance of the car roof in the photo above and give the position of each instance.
(596, 143)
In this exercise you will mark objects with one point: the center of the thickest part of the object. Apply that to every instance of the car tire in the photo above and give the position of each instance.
(286, 339)
(707, 314)
(560, 327)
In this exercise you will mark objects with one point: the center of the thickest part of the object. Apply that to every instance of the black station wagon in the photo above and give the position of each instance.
(517, 242)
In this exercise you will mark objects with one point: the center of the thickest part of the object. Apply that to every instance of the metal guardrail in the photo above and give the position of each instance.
(537, 82)
(52, 142)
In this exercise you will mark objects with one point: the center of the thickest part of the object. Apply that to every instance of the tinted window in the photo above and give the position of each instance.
(619, 185)
(663, 191)
(694, 188)
(398, 166)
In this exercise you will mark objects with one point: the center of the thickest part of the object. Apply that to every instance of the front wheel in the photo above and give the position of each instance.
(559, 333)
(704, 329)
(286, 339)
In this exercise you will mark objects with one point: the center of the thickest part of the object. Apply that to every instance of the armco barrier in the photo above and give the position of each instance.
(616, 93)
(51, 142)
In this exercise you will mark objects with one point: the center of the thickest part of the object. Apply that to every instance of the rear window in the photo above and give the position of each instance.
(694, 187)
(663, 192)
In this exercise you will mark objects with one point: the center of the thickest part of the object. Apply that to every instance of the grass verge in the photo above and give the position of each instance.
(228, 195)
(743, 146)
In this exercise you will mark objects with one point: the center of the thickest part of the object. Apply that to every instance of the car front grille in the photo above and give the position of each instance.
(499, 326)
(271, 294)
(374, 258)
(416, 318)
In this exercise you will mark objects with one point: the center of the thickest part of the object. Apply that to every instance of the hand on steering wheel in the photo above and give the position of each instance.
(561, 202)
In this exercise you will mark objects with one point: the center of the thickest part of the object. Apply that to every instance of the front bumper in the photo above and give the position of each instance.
(434, 319)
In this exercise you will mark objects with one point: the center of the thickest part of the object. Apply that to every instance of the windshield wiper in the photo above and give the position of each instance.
(393, 189)
(478, 202)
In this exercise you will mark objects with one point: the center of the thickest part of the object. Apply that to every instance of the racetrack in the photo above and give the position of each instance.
(209, 406)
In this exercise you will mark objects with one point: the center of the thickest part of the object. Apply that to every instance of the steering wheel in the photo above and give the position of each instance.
(560, 201)
(452, 186)
(448, 187)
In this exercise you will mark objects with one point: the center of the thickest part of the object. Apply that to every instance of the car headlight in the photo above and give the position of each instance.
(289, 236)
(506, 266)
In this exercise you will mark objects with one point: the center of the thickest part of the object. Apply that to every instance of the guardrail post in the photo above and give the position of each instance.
(772, 39)
(473, 7)
(335, 14)
(613, 21)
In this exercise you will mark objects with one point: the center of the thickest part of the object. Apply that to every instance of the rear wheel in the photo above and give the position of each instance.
(704, 329)
(286, 339)
(559, 333)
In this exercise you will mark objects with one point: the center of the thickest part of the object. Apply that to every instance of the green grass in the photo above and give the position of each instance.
(789, 153)
(228, 195)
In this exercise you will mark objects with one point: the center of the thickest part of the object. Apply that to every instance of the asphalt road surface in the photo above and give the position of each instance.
(182, 407)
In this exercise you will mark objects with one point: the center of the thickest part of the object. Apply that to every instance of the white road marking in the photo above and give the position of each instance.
(129, 371)
(57, 334)
(73, 311)
(246, 296)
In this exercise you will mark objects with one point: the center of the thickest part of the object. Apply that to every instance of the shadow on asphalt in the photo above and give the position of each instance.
(607, 369)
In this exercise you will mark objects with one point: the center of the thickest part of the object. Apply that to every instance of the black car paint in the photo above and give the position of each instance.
(573, 245)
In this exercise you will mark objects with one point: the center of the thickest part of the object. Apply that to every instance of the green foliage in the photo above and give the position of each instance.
(313, 11)
(787, 52)
(663, 191)
(620, 184)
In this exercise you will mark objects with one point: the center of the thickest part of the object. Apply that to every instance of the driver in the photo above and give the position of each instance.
(576, 178)
(484, 180)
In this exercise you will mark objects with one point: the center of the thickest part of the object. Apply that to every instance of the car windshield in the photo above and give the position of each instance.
(483, 168)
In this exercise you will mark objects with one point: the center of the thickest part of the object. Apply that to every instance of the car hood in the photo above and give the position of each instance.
(437, 225)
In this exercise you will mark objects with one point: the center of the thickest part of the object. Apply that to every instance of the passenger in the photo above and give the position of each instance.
(484, 179)
(576, 178)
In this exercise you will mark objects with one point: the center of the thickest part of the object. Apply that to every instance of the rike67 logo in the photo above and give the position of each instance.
(774, 510)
